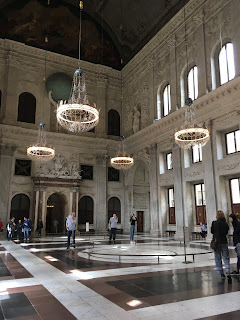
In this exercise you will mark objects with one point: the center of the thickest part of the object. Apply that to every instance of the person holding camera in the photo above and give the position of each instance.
(133, 221)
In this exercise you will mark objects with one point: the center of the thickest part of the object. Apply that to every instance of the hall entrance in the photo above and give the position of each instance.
(56, 215)
(140, 222)
(20, 206)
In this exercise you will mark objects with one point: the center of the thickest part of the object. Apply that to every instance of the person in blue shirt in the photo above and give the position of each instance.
(26, 227)
(71, 228)
(203, 232)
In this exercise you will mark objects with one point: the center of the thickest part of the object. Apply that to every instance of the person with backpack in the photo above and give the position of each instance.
(10, 229)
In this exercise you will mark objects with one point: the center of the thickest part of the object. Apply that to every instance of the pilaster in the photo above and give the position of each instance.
(101, 210)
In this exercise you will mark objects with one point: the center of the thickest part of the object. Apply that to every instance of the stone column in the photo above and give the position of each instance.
(101, 178)
(178, 191)
(40, 207)
(35, 207)
(74, 202)
(173, 74)
(5, 87)
(209, 180)
(201, 54)
(6, 159)
(102, 86)
(153, 189)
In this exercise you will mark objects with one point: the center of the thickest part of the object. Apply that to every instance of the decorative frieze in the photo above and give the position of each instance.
(7, 149)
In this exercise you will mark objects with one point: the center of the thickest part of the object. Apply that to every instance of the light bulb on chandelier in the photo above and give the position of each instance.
(122, 161)
(76, 114)
(40, 151)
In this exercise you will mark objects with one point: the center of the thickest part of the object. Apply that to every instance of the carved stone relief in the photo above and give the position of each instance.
(59, 167)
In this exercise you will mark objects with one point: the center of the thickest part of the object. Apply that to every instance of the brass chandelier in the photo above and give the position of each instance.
(122, 161)
(76, 114)
(41, 151)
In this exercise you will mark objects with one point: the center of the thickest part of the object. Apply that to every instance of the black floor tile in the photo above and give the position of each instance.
(16, 305)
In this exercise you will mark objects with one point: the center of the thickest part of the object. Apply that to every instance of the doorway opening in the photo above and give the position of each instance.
(56, 213)
(20, 206)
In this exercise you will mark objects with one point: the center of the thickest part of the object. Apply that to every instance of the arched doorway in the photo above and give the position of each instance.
(20, 206)
(114, 206)
(56, 215)
(85, 211)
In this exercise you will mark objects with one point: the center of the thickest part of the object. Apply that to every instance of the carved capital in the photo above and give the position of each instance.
(7, 149)
(102, 82)
(152, 150)
(199, 17)
(101, 159)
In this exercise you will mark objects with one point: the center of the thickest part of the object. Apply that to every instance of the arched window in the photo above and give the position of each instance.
(193, 83)
(114, 206)
(113, 123)
(226, 63)
(166, 100)
(20, 205)
(26, 108)
(85, 210)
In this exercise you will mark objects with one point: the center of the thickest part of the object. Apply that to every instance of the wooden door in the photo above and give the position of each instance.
(140, 221)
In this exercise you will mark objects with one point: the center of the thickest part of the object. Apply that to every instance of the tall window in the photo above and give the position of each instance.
(23, 167)
(26, 108)
(114, 206)
(171, 206)
(85, 210)
(197, 153)
(113, 123)
(193, 83)
(166, 100)
(235, 194)
(233, 141)
(200, 203)
(87, 172)
(169, 160)
(226, 63)
(113, 174)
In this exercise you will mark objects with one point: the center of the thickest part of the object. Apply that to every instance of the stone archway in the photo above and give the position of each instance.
(20, 206)
(56, 213)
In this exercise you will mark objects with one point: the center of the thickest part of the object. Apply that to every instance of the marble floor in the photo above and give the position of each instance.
(146, 280)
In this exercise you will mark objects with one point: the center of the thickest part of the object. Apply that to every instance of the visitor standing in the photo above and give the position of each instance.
(39, 227)
(1, 225)
(26, 227)
(235, 219)
(10, 228)
(71, 228)
(219, 229)
(203, 232)
(113, 228)
(133, 221)
(19, 230)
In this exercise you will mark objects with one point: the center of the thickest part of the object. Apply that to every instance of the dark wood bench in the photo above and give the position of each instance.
(171, 233)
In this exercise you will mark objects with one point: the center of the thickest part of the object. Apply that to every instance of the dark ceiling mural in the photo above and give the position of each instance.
(31, 21)
(111, 29)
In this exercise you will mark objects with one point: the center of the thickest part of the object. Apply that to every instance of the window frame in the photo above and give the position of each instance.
(199, 154)
(167, 161)
(226, 146)
(171, 208)
(231, 198)
(195, 82)
(227, 63)
(169, 106)
(203, 206)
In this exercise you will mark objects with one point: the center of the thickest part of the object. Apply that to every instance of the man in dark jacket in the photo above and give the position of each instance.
(235, 219)
(11, 228)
